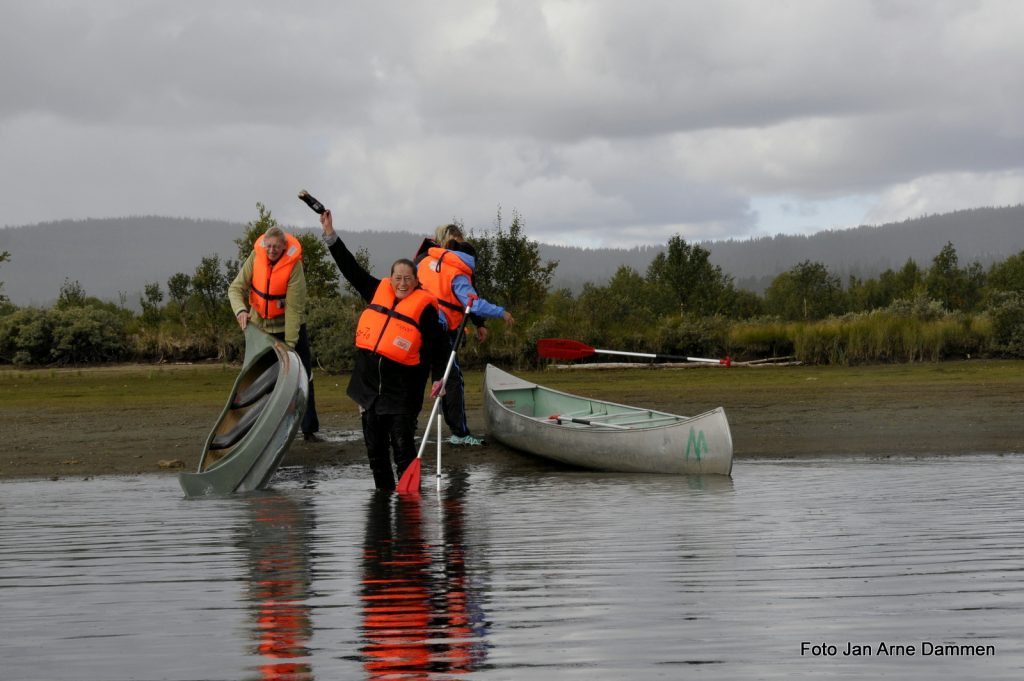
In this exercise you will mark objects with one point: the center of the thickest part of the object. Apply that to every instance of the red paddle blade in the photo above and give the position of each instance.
(561, 348)
(410, 482)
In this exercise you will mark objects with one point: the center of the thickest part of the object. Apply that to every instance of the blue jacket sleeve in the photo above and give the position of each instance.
(463, 289)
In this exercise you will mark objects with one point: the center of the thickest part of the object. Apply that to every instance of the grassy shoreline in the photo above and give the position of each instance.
(126, 418)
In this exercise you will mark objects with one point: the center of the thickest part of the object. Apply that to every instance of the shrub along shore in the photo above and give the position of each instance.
(682, 305)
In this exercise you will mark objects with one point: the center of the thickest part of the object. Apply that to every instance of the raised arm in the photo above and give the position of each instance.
(362, 281)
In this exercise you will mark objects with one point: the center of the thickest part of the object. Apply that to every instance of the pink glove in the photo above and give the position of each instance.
(437, 389)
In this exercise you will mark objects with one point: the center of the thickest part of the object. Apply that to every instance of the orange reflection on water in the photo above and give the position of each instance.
(279, 586)
(415, 608)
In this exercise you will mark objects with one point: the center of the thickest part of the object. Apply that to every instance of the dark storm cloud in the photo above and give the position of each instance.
(621, 122)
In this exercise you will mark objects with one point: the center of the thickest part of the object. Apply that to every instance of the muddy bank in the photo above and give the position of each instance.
(797, 414)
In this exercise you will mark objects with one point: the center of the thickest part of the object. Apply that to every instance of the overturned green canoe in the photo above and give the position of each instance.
(603, 435)
(258, 422)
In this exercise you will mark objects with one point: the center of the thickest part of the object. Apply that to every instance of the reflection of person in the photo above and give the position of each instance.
(277, 546)
(399, 340)
(446, 270)
(270, 292)
(395, 596)
(418, 619)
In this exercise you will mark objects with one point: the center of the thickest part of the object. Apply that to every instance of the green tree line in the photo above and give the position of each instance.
(682, 304)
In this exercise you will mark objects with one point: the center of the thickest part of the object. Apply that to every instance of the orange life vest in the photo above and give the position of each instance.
(436, 273)
(390, 327)
(269, 285)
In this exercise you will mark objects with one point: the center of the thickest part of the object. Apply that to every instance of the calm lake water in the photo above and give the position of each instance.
(553, 575)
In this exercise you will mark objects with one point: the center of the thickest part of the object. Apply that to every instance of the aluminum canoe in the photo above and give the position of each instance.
(603, 435)
(257, 424)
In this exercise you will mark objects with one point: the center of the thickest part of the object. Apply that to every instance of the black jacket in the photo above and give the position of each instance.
(379, 384)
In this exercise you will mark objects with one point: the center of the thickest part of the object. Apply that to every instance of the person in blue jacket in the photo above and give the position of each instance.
(447, 272)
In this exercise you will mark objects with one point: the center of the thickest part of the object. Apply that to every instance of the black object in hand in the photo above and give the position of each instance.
(312, 202)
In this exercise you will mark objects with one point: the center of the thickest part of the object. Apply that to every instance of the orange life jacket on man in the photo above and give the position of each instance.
(269, 285)
(436, 273)
(390, 327)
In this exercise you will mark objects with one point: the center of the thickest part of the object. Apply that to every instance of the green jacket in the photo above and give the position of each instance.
(294, 303)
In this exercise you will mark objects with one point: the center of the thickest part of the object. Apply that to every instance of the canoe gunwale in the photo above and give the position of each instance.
(672, 444)
(249, 464)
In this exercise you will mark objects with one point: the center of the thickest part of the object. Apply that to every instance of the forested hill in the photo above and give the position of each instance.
(985, 235)
(112, 258)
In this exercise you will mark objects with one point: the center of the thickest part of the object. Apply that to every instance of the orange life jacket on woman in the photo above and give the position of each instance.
(269, 285)
(390, 327)
(436, 273)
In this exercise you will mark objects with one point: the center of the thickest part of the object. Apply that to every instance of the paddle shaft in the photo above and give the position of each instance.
(662, 357)
(444, 379)
(410, 480)
(561, 348)
(585, 422)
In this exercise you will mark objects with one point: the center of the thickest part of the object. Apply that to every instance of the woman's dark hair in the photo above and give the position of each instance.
(404, 261)
(465, 247)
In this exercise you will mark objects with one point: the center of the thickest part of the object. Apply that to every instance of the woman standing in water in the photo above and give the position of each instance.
(399, 341)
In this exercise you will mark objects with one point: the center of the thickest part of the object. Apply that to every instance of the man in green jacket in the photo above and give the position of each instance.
(270, 292)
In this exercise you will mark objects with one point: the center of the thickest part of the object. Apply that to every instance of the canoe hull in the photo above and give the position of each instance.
(249, 463)
(518, 414)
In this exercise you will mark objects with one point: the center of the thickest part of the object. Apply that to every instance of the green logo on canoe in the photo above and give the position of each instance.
(696, 445)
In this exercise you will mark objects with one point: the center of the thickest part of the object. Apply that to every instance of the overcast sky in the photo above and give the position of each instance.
(603, 123)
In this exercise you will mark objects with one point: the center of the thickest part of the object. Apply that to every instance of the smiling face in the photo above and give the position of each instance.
(275, 247)
(403, 279)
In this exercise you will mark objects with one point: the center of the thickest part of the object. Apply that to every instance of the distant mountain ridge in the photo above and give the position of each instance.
(116, 257)
(985, 235)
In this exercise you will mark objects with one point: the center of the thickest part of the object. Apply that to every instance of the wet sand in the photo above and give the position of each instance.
(799, 417)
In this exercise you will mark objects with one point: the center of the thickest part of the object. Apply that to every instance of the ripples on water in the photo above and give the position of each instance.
(558, 575)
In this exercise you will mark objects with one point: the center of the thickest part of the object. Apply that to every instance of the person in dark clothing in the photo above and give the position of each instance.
(399, 343)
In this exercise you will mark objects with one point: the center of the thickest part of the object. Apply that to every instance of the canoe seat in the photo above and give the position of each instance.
(228, 439)
(263, 385)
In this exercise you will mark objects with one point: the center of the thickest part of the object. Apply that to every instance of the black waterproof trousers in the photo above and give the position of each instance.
(453, 402)
(383, 434)
(310, 421)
